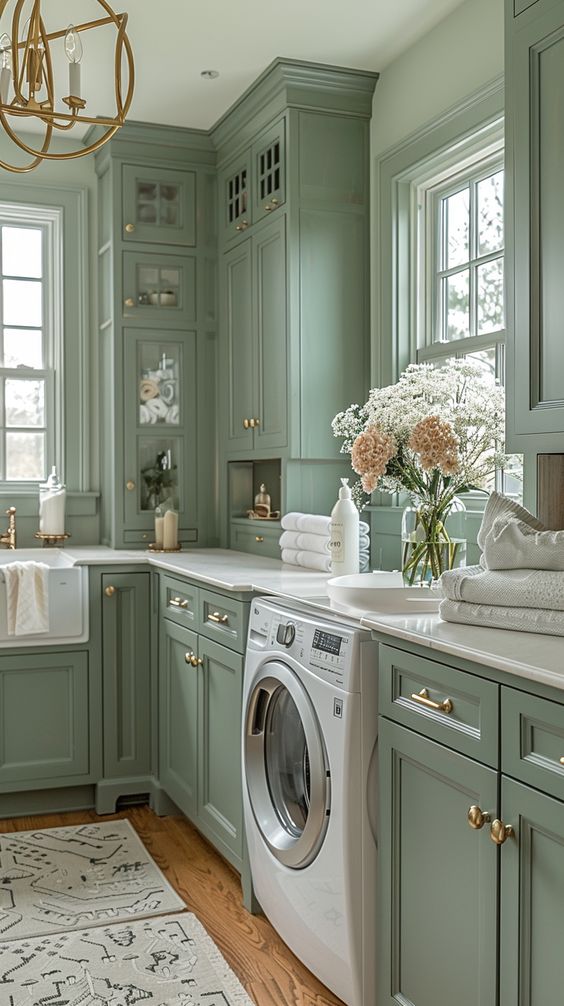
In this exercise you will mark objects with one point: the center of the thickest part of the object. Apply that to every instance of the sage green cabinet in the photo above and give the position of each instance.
(178, 716)
(532, 898)
(159, 205)
(254, 342)
(253, 184)
(535, 225)
(159, 289)
(438, 876)
(235, 198)
(126, 657)
(46, 737)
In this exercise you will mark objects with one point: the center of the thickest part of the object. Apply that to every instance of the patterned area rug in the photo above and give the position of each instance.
(163, 962)
(64, 879)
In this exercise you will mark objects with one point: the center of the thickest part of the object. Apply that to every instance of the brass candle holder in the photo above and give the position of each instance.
(52, 540)
(153, 547)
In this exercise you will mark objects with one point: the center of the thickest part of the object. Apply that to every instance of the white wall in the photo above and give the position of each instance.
(461, 54)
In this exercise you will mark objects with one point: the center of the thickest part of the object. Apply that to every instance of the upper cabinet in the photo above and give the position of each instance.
(535, 224)
(158, 324)
(294, 271)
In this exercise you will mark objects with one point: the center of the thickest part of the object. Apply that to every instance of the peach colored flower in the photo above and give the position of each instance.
(369, 481)
(437, 445)
(371, 452)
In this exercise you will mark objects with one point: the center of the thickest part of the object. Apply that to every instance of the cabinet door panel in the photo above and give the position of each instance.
(178, 716)
(536, 383)
(159, 289)
(235, 198)
(269, 292)
(438, 876)
(159, 205)
(127, 674)
(220, 803)
(269, 181)
(236, 362)
(532, 898)
(44, 732)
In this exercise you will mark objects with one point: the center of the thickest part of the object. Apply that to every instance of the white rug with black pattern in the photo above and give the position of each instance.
(62, 879)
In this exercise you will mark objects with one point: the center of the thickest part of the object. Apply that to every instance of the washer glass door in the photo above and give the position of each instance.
(286, 766)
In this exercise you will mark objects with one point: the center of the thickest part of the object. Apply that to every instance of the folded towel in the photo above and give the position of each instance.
(311, 560)
(27, 597)
(499, 506)
(514, 544)
(493, 616)
(298, 540)
(513, 588)
(364, 563)
(312, 523)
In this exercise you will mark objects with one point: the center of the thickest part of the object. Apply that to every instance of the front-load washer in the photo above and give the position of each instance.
(309, 743)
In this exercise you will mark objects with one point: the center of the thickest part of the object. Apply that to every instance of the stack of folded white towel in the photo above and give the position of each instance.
(519, 583)
(305, 541)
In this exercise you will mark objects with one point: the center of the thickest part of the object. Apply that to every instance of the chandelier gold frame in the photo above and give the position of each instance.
(26, 105)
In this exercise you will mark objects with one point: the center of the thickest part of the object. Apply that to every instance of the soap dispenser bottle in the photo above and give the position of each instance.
(344, 533)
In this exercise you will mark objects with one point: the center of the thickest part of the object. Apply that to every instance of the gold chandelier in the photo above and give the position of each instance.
(27, 80)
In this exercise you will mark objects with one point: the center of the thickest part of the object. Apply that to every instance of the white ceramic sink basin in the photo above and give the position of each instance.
(68, 598)
(381, 592)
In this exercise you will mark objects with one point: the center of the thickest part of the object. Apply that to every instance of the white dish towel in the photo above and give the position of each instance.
(27, 597)
(511, 588)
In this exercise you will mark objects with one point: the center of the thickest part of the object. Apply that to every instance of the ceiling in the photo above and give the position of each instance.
(174, 40)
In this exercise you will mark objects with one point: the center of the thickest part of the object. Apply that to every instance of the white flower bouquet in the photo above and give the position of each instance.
(436, 433)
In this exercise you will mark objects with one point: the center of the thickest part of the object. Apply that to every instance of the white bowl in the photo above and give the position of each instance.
(382, 592)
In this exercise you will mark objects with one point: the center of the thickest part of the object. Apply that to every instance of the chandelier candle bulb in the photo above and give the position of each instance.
(73, 49)
(170, 530)
(6, 71)
(52, 500)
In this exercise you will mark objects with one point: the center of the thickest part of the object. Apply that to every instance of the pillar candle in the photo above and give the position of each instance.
(170, 529)
(159, 531)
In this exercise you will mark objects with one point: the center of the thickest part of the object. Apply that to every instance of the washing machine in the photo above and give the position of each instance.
(309, 749)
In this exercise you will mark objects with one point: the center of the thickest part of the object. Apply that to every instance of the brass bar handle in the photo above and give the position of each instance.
(500, 832)
(214, 616)
(196, 661)
(251, 424)
(189, 658)
(246, 424)
(422, 697)
(477, 818)
(242, 226)
(177, 602)
(110, 591)
(259, 537)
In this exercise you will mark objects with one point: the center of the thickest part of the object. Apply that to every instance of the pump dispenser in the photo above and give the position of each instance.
(52, 499)
(344, 533)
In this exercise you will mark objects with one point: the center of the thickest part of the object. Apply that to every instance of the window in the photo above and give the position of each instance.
(28, 348)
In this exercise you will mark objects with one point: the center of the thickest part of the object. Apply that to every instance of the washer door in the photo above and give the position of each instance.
(286, 767)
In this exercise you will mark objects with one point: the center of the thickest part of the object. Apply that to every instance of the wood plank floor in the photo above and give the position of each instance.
(263, 963)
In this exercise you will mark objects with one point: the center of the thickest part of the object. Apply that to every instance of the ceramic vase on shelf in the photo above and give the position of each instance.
(427, 547)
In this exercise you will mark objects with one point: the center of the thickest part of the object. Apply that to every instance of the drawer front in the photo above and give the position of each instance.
(185, 536)
(259, 541)
(179, 602)
(224, 620)
(450, 706)
(532, 740)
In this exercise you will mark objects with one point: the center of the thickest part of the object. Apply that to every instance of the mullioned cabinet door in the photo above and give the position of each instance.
(438, 890)
(158, 205)
(235, 208)
(269, 172)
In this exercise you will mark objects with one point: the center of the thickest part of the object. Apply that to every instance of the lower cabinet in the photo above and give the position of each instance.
(439, 877)
(45, 736)
(200, 696)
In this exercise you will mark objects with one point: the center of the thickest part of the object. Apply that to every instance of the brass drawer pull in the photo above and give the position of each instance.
(423, 699)
(500, 832)
(259, 538)
(477, 818)
(562, 761)
(193, 660)
(214, 616)
(246, 424)
(110, 591)
(177, 602)
(242, 226)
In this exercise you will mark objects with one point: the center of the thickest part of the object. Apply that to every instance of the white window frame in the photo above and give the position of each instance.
(50, 221)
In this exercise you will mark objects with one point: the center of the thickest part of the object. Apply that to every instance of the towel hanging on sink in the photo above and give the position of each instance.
(27, 598)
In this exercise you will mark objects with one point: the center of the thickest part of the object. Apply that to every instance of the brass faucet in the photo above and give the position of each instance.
(8, 539)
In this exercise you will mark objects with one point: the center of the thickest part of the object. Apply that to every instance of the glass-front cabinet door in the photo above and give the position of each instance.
(159, 205)
(269, 190)
(159, 288)
(160, 419)
(235, 197)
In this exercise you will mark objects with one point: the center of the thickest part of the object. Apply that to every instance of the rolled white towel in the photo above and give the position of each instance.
(309, 560)
(308, 542)
(309, 523)
(492, 616)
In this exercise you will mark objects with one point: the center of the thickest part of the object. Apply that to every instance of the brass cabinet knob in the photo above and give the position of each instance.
(423, 699)
(130, 486)
(242, 226)
(477, 818)
(193, 660)
(252, 424)
(500, 832)
(562, 760)
(110, 591)
(274, 201)
(256, 422)
(130, 228)
(129, 302)
(246, 424)
(259, 538)
(268, 208)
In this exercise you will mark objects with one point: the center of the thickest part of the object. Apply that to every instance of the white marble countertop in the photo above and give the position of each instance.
(525, 654)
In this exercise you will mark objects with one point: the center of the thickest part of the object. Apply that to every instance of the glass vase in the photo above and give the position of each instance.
(427, 547)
